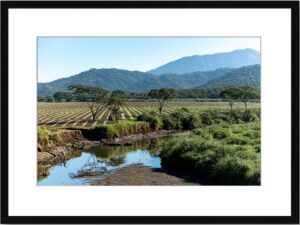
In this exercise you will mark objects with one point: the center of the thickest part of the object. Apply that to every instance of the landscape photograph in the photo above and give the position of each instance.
(148, 111)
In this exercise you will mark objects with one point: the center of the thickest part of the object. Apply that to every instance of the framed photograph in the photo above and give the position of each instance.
(149, 112)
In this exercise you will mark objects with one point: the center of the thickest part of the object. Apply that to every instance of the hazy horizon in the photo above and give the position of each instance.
(60, 57)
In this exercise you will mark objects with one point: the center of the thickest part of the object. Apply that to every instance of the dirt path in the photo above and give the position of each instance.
(142, 175)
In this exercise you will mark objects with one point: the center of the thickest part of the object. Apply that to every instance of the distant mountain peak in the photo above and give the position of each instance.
(188, 64)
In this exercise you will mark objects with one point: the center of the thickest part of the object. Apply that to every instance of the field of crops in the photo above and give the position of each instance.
(78, 114)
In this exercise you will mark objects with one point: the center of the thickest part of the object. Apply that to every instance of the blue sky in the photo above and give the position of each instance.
(66, 56)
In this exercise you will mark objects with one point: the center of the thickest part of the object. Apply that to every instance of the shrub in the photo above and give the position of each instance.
(219, 133)
(168, 123)
(183, 109)
(249, 116)
(142, 117)
(233, 116)
(190, 121)
(217, 155)
(251, 134)
(208, 118)
(119, 129)
(155, 122)
(177, 118)
(235, 170)
(203, 133)
(237, 140)
(152, 118)
(198, 131)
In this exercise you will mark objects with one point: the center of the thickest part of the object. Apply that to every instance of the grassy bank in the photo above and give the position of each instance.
(120, 129)
(224, 150)
(48, 136)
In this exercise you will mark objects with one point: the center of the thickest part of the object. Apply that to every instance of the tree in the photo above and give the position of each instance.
(94, 97)
(49, 99)
(41, 99)
(248, 93)
(61, 96)
(243, 94)
(230, 95)
(162, 95)
(118, 93)
(114, 105)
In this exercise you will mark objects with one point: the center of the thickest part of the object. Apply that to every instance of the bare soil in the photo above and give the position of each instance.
(142, 175)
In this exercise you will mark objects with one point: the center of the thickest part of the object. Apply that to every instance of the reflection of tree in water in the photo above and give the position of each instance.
(115, 161)
(114, 156)
(154, 146)
(91, 167)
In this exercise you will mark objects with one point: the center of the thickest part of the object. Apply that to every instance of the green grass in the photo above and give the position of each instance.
(224, 154)
(47, 136)
(44, 135)
(120, 129)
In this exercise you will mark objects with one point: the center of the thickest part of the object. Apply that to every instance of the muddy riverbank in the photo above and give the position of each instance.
(58, 152)
(142, 175)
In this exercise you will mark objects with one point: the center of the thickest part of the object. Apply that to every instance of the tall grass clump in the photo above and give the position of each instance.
(120, 129)
(47, 136)
(44, 135)
(152, 118)
(209, 117)
(224, 154)
(179, 119)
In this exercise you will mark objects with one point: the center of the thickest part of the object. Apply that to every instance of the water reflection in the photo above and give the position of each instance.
(101, 160)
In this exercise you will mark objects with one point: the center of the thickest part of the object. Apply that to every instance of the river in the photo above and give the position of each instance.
(100, 161)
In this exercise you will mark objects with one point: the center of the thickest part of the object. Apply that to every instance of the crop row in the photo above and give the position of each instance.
(78, 114)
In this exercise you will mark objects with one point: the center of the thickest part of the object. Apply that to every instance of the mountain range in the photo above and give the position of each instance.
(234, 70)
(189, 64)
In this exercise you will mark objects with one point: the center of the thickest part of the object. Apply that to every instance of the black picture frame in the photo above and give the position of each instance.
(294, 218)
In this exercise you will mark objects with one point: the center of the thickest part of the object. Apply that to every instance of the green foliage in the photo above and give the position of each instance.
(249, 116)
(62, 96)
(219, 133)
(208, 118)
(114, 103)
(162, 95)
(232, 116)
(120, 129)
(43, 135)
(244, 94)
(177, 116)
(142, 117)
(243, 76)
(237, 139)
(45, 99)
(48, 137)
(168, 123)
(253, 134)
(119, 94)
(179, 119)
(221, 154)
(152, 118)
(92, 95)
(190, 121)
(134, 82)
(155, 122)
(235, 170)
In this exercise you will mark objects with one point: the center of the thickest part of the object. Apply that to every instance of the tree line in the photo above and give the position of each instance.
(97, 98)
(195, 93)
